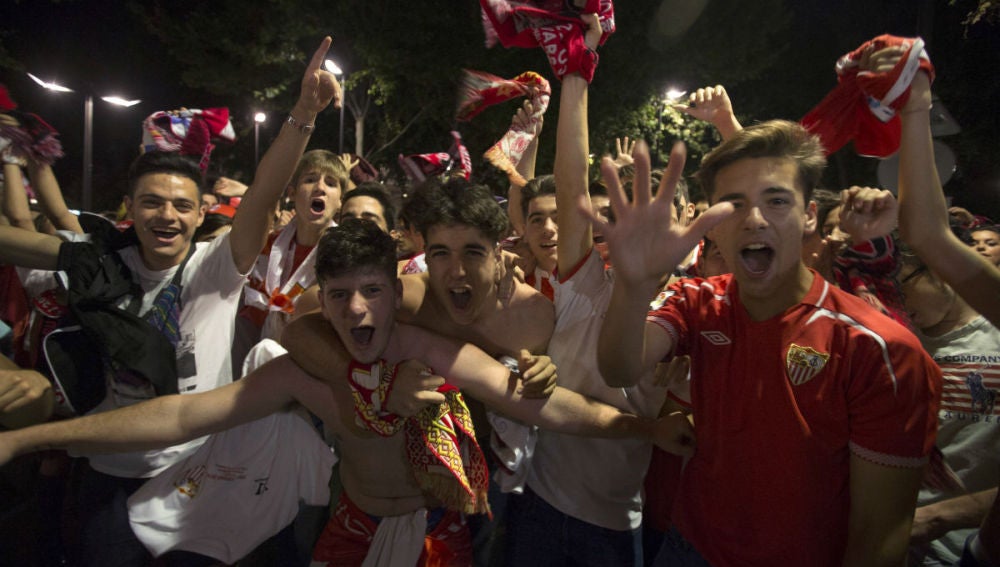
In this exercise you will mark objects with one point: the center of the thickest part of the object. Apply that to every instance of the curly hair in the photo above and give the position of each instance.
(456, 202)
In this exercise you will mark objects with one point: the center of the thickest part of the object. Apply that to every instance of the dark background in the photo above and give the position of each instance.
(775, 57)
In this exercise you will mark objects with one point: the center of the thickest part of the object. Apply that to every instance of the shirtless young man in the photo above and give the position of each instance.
(360, 295)
(460, 294)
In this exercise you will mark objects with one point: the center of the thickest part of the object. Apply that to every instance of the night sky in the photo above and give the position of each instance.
(97, 46)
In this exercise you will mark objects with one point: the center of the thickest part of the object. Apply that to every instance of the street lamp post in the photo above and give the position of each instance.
(86, 196)
(258, 119)
(338, 72)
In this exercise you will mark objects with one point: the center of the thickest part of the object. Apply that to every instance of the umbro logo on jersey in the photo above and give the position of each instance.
(717, 338)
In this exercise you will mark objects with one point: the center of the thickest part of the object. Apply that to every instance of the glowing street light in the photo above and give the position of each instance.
(258, 119)
(119, 101)
(51, 86)
(86, 197)
(674, 94)
(332, 67)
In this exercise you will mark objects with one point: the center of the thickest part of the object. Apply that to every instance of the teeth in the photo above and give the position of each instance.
(756, 247)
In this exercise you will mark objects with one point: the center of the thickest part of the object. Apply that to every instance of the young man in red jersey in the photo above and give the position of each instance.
(814, 413)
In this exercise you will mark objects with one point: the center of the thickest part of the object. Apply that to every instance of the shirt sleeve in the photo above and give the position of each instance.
(666, 312)
(893, 401)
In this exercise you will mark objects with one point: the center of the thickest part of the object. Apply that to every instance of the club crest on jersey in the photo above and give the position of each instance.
(804, 363)
(661, 299)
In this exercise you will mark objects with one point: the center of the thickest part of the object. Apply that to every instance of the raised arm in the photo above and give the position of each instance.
(525, 167)
(250, 226)
(576, 236)
(645, 244)
(168, 420)
(15, 199)
(712, 105)
(50, 197)
(923, 212)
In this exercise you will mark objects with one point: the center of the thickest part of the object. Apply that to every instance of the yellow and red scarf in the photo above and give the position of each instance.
(441, 442)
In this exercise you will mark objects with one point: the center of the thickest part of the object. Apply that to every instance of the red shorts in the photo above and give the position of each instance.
(348, 535)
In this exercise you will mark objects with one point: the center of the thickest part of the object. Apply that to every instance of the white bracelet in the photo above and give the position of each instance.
(305, 128)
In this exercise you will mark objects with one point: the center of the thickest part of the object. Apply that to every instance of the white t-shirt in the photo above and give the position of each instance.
(969, 420)
(241, 487)
(598, 481)
(211, 285)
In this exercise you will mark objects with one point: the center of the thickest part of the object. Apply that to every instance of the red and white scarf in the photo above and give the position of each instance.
(281, 289)
(548, 24)
(863, 105)
(481, 90)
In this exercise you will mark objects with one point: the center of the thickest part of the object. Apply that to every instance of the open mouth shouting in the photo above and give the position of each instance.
(460, 297)
(363, 335)
(757, 258)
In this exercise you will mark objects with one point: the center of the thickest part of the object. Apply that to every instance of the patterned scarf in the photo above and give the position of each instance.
(34, 139)
(481, 90)
(189, 131)
(441, 442)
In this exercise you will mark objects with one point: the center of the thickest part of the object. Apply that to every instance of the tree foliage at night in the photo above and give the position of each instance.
(404, 60)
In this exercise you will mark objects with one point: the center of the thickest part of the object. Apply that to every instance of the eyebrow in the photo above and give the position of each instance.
(151, 197)
(768, 191)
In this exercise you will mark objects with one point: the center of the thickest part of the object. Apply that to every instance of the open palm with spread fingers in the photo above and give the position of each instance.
(645, 242)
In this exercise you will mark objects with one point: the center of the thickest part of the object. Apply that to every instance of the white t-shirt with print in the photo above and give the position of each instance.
(211, 285)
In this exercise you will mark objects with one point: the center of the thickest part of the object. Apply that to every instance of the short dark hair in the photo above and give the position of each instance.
(456, 201)
(775, 138)
(164, 162)
(541, 185)
(994, 228)
(355, 244)
(375, 191)
(826, 201)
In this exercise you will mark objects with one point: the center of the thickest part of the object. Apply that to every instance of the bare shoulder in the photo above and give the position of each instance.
(534, 315)
(415, 292)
